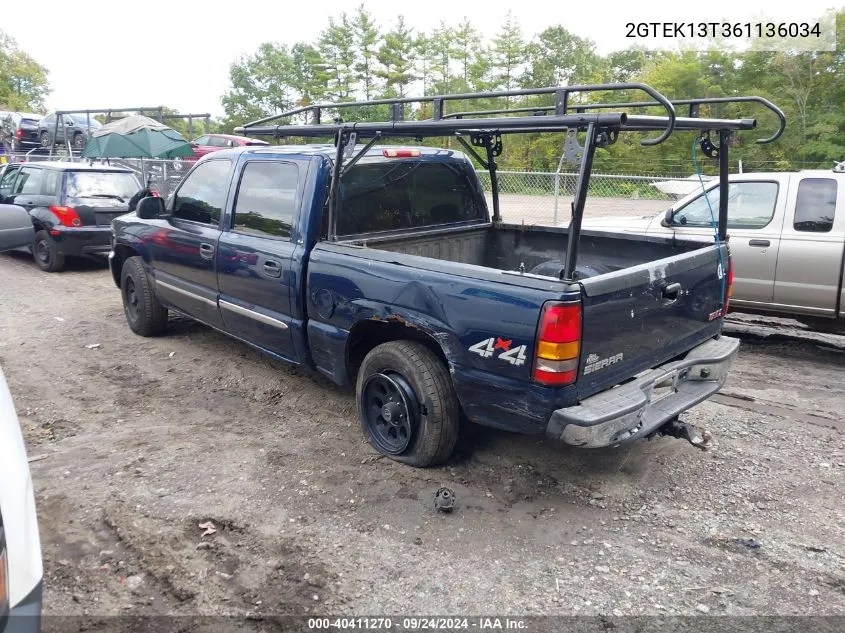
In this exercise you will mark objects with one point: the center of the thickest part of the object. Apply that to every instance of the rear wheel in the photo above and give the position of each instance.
(45, 139)
(406, 404)
(46, 254)
(145, 315)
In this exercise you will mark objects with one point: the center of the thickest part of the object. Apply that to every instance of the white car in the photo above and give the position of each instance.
(21, 573)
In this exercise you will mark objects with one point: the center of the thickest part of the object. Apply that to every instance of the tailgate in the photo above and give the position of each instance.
(640, 317)
(100, 216)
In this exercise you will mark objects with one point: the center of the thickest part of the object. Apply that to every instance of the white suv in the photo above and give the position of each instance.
(21, 574)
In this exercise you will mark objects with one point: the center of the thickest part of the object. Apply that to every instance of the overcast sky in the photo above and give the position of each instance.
(177, 53)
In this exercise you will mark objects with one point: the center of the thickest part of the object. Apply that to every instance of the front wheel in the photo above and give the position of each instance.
(145, 315)
(406, 404)
(45, 139)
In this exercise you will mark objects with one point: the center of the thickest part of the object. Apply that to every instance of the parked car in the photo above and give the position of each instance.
(19, 131)
(787, 238)
(71, 206)
(423, 303)
(73, 127)
(208, 143)
(21, 566)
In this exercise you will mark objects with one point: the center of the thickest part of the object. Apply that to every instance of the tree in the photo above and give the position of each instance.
(261, 84)
(509, 53)
(337, 48)
(440, 50)
(466, 45)
(309, 73)
(23, 81)
(624, 65)
(396, 56)
(559, 58)
(366, 42)
(422, 48)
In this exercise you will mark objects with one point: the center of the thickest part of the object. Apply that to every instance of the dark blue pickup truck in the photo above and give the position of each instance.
(388, 273)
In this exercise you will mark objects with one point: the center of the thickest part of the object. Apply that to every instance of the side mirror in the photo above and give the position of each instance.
(194, 145)
(16, 229)
(667, 219)
(150, 208)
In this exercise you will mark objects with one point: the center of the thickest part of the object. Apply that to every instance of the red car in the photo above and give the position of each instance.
(214, 142)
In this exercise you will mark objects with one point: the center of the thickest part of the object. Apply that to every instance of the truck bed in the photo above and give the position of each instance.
(645, 300)
(534, 250)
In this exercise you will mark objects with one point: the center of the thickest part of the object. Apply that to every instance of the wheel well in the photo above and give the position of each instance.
(121, 254)
(367, 335)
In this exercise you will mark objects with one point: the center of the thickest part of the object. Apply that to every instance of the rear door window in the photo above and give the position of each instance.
(815, 205)
(403, 194)
(50, 184)
(8, 180)
(266, 199)
(29, 181)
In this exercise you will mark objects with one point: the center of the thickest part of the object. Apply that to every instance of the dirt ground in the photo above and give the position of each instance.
(136, 442)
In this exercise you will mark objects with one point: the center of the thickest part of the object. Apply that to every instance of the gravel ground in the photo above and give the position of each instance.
(139, 441)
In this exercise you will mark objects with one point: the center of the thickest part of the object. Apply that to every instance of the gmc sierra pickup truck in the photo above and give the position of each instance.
(380, 266)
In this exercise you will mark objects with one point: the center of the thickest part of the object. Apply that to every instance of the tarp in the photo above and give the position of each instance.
(136, 136)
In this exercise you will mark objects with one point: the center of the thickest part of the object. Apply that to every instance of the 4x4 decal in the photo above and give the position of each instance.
(489, 346)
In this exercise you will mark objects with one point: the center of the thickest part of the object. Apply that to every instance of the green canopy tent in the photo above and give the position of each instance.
(136, 136)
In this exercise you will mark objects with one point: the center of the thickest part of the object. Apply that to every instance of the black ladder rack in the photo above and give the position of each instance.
(484, 129)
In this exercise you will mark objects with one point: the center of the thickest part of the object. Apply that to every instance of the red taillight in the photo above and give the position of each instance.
(19, 134)
(558, 344)
(67, 216)
(400, 153)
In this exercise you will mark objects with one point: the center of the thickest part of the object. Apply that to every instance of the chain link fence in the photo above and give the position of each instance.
(545, 198)
(524, 197)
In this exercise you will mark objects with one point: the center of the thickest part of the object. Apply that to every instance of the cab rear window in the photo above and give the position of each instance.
(402, 194)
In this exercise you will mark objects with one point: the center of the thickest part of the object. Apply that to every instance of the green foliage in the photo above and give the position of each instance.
(354, 59)
(509, 53)
(396, 57)
(367, 39)
(337, 48)
(23, 81)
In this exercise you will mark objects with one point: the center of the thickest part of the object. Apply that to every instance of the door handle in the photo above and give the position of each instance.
(670, 292)
(272, 269)
(206, 251)
(761, 243)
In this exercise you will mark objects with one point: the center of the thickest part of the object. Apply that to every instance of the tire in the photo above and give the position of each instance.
(45, 253)
(45, 139)
(425, 386)
(144, 314)
(78, 141)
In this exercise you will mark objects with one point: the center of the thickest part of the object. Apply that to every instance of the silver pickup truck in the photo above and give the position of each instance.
(786, 235)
